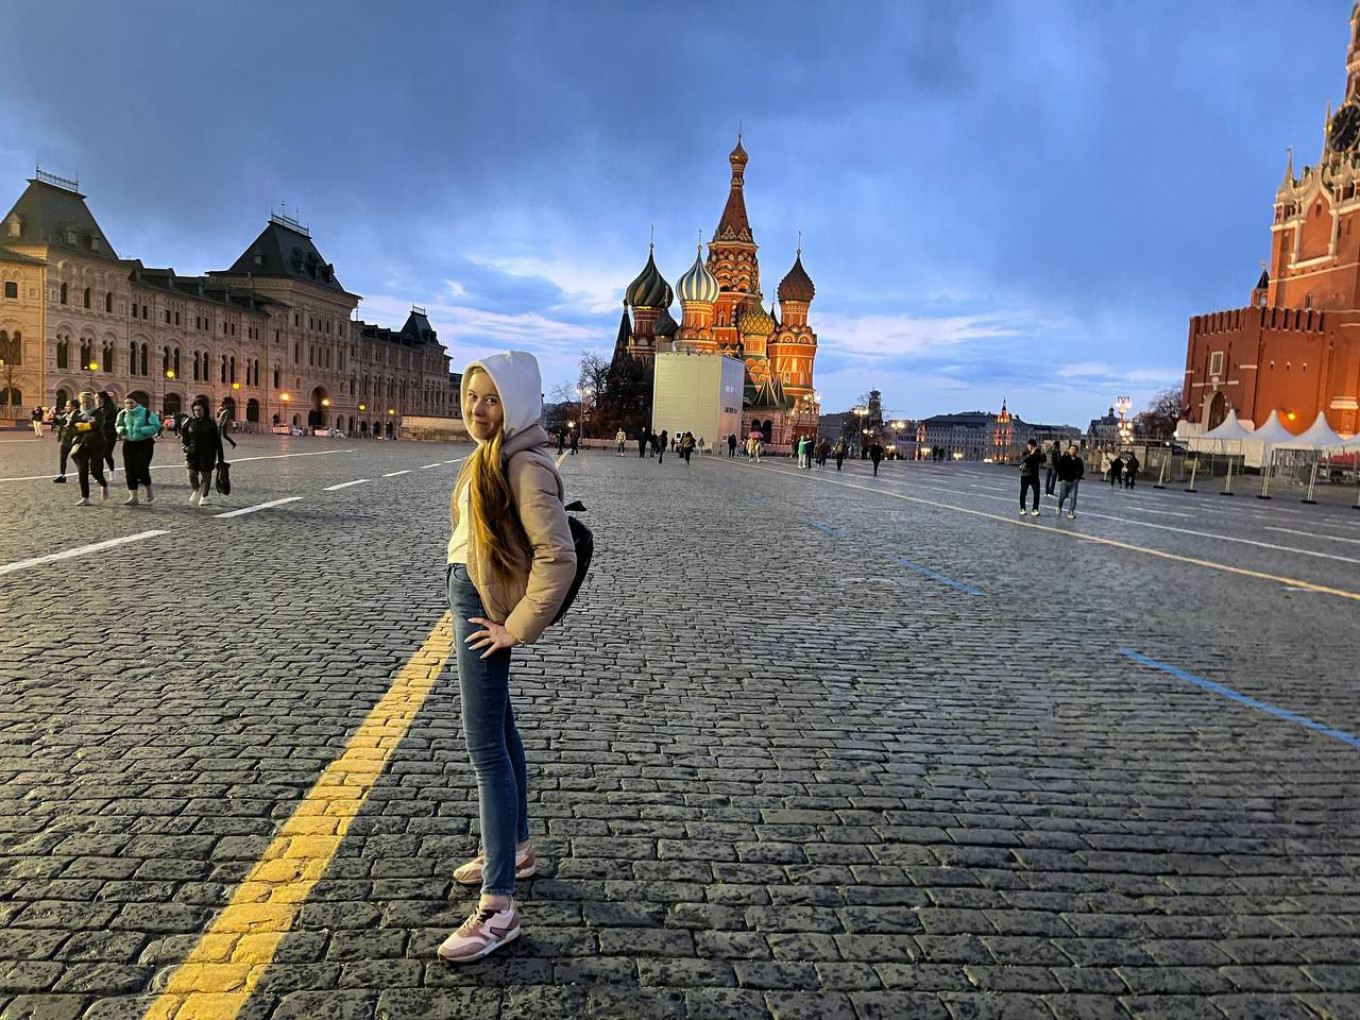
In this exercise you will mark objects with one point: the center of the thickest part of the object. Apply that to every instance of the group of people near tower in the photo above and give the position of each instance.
(90, 428)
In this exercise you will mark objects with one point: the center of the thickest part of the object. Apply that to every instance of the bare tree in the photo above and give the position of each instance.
(1159, 420)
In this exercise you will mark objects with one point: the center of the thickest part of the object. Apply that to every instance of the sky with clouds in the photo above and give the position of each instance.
(1011, 199)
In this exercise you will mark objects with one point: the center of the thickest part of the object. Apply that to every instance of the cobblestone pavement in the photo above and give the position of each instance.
(812, 745)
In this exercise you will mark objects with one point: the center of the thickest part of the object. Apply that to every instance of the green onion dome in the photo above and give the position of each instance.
(755, 321)
(650, 289)
(665, 326)
(698, 284)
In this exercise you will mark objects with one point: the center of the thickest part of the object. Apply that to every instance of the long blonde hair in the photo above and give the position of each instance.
(495, 519)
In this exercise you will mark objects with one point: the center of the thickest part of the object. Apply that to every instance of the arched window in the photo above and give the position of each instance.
(195, 366)
(165, 360)
(86, 353)
(223, 373)
(108, 300)
(276, 378)
(132, 358)
(87, 297)
(176, 359)
(143, 359)
(12, 398)
(233, 369)
(63, 293)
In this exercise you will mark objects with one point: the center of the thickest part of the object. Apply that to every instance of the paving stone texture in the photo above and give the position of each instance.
(774, 772)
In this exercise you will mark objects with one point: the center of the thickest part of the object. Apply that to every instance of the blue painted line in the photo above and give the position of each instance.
(967, 589)
(1228, 692)
(828, 529)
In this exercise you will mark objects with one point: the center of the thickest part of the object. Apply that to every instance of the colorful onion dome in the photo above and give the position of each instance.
(737, 157)
(755, 321)
(698, 284)
(797, 285)
(665, 325)
(650, 289)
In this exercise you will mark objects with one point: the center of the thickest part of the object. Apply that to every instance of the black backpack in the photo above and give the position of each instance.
(584, 541)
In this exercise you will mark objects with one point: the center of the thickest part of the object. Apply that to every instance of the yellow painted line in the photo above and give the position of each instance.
(561, 457)
(1321, 589)
(217, 978)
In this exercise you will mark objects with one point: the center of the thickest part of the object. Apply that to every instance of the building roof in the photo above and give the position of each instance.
(284, 249)
(698, 284)
(199, 288)
(797, 285)
(755, 321)
(417, 329)
(50, 214)
(770, 396)
(733, 225)
(13, 256)
(649, 288)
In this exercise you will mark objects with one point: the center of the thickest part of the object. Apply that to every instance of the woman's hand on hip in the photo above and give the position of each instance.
(492, 637)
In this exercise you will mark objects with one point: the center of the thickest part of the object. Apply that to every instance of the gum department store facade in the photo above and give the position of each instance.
(271, 336)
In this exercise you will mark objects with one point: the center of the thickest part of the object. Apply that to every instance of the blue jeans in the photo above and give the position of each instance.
(1068, 489)
(492, 741)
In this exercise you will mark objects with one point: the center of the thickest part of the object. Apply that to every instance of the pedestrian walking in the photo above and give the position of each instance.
(823, 451)
(1051, 477)
(87, 447)
(1117, 470)
(224, 423)
(37, 418)
(659, 442)
(561, 440)
(137, 427)
(108, 424)
(839, 452)
(575, 441)
(644, 440)
(62, 421)
(732, 444)
(511, 562)
(1131, 468)
(1030, 462)
(876, 454)
(1071, 470)
(621, 438)
(687, 446)
(201, 441)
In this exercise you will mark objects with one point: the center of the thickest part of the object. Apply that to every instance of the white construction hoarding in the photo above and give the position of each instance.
(699, 393)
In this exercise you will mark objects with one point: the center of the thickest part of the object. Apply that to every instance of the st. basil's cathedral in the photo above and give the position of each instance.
(722, 311)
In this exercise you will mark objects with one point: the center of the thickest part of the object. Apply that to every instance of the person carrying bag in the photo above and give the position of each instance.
(512, 566)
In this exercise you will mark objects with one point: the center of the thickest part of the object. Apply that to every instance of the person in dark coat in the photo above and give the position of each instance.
(561, 440)
(876, 454)
(1030, 464)
(1071, 470)
(839, 452)
(644, 440)
(1117, 470)
(108, 424)
(87, 447)
(224, 423)
(732, 445)
(660, 446)
(575, 441)
(1131, 467)
(61, 423)
(202, 443)
(1051, 478)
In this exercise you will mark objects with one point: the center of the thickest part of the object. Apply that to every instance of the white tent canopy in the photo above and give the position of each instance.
(1319, 436)
(1273, 433)
(1230, 430)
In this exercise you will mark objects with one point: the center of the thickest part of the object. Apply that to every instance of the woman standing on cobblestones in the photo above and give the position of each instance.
(87, 447)
(511, 562)
(202, 442)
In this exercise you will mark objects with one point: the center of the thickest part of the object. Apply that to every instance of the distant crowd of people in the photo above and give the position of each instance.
(91, 426)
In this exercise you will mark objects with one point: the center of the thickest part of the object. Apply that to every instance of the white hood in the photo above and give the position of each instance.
(520, 384)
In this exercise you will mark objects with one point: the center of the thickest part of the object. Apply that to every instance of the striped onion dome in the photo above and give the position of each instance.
(797, 285)
(698, 284)
(755, 321)
(650, 289)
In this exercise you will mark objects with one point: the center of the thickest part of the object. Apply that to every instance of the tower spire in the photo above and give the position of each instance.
(1288, 181)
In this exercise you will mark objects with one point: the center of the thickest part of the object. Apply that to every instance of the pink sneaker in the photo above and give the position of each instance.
(471, 872)
(484, 932)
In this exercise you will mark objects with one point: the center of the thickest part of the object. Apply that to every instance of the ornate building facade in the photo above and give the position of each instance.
(272, 336)
(1295, 347)
(722, 311)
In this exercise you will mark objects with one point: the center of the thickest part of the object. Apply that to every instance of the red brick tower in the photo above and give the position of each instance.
(732, 258)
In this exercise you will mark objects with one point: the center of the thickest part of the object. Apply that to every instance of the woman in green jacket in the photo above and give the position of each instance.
(137, 427)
